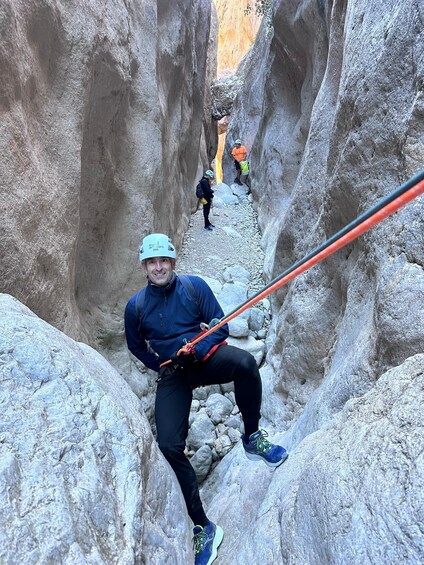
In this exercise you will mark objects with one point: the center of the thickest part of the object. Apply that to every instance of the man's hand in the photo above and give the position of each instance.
(176, 362)
(182, 360)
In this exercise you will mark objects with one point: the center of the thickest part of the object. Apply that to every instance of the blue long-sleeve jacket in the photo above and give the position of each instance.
(170, 315)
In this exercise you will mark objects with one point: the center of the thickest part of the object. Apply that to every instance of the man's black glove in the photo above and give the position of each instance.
(182, 361)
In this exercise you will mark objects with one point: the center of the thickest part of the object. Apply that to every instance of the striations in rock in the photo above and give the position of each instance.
(103, 113)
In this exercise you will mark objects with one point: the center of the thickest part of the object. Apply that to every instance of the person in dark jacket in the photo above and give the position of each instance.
(158, 321)
(205, 182)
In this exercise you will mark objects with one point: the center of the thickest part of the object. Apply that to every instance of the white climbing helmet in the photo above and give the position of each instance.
(237, 142)
(209, 174)
(156, 245)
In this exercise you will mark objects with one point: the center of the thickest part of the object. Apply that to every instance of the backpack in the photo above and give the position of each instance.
(244, 165)
(199, 191)
(185, 281)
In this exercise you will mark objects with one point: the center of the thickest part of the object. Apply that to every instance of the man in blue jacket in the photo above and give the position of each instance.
(158, 322)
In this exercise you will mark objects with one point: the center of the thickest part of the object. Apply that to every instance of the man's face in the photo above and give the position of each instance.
(159, 270)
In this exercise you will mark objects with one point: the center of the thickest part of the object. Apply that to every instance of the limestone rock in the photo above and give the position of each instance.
(224, 92)
(223, 445)
(201, 431)
(360, 478)
(90, 135)
(236, 33)
(82, 479)
(232, 295)
(224, 195)
(219, 407)
(328, 150)
(240, 190)
(254, 346)
(237, 273)
(331, 111)
(256, 319)
(238, 327)
(202, 462)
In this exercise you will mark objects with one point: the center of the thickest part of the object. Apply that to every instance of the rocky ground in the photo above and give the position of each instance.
(234, 241)
(230, 259)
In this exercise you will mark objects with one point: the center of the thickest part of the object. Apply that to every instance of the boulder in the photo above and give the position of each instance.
(359, 477)
(218, 407)
(82, 479)
(254, 346)
(224, 91)
(202, 462)
(201, 432)
(237, 273)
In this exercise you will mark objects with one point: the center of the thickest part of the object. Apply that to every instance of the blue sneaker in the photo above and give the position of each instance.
(259, 448)
(205, 543)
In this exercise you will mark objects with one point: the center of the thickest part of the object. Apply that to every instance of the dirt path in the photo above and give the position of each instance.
(235, 240)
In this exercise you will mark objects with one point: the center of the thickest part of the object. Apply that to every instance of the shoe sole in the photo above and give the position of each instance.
(255, 457)
(219, 534)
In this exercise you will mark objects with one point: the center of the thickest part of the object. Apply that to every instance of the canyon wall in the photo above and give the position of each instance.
(332, 111)
(334, 125)
(80, 471)
(103, 112)
(236, 33)
(102, 116)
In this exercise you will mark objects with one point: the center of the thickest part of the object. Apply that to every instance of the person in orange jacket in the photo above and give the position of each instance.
(239, 153)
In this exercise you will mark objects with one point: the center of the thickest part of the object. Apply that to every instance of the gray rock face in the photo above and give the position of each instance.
(331, 111)
(79, 469)
(219, 407)
(334, 127)
(103, 113)
(349, 493)
(96, 99)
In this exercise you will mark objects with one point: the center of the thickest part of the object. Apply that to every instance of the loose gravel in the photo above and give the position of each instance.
(235, 240)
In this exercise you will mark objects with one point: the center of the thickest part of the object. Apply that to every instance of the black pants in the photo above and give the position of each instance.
(206, 210)
(238, 169)
(173, 401)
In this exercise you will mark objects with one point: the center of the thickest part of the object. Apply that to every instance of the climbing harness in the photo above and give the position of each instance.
(385, 207)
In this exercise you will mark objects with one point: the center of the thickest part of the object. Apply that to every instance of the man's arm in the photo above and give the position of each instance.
(135, 341)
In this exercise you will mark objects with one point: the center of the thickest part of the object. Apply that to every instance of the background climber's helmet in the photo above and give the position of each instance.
(156, 245)
(237, 142)
(209, 174)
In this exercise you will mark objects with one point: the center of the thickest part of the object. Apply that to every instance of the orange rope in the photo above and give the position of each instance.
(375, 219)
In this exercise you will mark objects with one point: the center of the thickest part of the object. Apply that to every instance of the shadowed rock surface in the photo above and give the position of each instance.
(102, 118)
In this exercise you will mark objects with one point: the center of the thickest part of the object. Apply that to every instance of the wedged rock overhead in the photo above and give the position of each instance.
(102, 109)
(80, 472)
